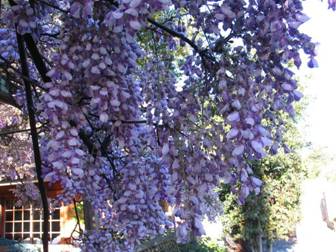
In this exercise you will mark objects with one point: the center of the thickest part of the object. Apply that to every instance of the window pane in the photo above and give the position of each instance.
(55, 226)
(9, 236)
(9, 227)
(37, 235)
(17, 236)
(9, 216)
(18, 227)
(26, 226)
(18, 215)
(54, 236)
(26, 236)
(26, 215)
(36, 227)
(36, 214)
(56, 214)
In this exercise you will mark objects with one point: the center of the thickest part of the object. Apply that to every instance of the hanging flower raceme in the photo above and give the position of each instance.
(8, 47)
(106, 90)
(332, 4)
(16, 156)
(137, 212)
(21, 15)
(132, 15)
(81, 8)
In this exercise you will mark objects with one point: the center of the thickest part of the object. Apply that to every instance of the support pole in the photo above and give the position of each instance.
(34, 134)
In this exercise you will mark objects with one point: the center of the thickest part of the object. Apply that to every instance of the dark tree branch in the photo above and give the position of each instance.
(11, 132)
(93, 150)
(53, 35)
(53, 6)
(8, 99)
(176, 34)
(77, 215)
(77, 219)
(135, 122)
(201, 52)
(36, 57)
(33, 130)
(16, 71)
(207, 60)
(103, 149)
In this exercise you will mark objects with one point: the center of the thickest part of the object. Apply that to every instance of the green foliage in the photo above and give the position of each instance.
(202, 245)
(274, 212)
(80, 211)
(320, 162)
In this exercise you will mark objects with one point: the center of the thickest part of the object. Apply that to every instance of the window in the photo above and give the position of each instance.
(26, 222)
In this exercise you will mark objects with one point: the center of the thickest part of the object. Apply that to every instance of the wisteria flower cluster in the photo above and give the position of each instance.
(148, 101)
(8, 47)
(16, 156)
(22, 17)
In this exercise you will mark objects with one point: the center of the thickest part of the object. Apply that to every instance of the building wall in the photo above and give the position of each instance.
(67, 218)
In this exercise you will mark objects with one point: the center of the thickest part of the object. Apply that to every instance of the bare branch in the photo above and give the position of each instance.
(201, 52)
(175, 34)
(11, 132)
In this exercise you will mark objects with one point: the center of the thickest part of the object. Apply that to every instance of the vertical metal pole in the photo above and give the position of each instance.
(34, 134)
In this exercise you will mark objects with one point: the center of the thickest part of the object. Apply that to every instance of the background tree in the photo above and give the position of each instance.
(273, 213)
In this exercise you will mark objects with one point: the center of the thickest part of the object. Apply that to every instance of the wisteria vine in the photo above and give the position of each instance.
(148, 101)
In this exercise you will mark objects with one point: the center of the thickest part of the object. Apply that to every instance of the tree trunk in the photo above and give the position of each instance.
(260, 243)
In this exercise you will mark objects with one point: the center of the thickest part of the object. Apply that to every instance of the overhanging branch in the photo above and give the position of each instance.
(11, 132)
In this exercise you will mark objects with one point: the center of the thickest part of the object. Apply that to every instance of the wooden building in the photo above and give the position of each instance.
(25, 223)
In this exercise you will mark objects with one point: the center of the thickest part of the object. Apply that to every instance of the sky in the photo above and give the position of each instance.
(319, 124)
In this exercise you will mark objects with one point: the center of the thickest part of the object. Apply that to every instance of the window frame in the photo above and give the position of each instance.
(19, 216)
